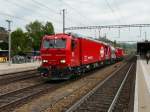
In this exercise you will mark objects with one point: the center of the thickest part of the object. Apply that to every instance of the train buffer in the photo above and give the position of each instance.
(142, 87)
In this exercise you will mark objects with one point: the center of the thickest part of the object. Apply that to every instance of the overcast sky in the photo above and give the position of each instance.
(81, 13)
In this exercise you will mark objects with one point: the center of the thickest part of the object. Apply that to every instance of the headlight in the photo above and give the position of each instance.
(62, 61)
(45, 61)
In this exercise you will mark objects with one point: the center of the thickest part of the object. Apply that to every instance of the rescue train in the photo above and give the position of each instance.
(67, 55)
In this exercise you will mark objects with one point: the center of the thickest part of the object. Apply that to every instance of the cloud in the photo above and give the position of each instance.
(78, 13)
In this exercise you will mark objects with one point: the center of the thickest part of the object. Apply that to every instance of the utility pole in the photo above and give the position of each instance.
(99, 34)
(105, 35)
(9, 41)
(63, 20)
(140, 28)
(145, 35)
(95, 34)
(119, 32)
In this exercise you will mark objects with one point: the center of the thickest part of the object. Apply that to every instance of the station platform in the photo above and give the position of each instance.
(142, 87)
(6, 69)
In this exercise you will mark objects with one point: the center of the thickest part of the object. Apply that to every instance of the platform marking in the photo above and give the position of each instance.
(136, 89)
(146, 76)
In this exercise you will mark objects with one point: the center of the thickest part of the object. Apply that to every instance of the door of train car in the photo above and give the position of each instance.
(75, 52)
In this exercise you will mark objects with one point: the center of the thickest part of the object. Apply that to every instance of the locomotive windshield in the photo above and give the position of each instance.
(54, 43)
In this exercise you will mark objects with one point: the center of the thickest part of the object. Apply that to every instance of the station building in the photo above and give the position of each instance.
(143, 48)
(3, 38)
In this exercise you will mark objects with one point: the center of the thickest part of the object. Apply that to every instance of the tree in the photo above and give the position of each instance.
(20, 42)
(3, 46)
(35, 33)
(36, 30)
(4, 38)
(48, 28)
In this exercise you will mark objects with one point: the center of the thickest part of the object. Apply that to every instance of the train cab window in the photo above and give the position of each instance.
(46, 44)
(54, 43)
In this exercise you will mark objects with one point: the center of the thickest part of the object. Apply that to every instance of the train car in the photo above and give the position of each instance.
(107, 53)
(113, 54)
(119, 53)
(65, 55)
(91, 51)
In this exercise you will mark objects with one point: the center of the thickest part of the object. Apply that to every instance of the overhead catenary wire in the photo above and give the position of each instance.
(78, 22)
(118, 11)
(44, 6)
(17, 17)
(112, 10)
(76, 11)
(27, 9)
(108, 26)
(12, 16)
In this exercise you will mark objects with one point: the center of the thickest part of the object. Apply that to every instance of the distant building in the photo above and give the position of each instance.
(3, 35)
(3, 39)
(143, 48)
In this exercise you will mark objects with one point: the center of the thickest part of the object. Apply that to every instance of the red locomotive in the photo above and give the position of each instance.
(119, 53)
(67, 55)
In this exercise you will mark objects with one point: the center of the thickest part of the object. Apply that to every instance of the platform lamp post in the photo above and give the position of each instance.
(9, 41)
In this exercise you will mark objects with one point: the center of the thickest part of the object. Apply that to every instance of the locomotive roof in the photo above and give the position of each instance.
(85, 37)
(75, 35)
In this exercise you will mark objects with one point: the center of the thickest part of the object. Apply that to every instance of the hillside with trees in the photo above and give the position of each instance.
(128, 47)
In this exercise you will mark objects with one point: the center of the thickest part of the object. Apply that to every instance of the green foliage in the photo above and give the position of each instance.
(23, 42)
(129, 48)
(20, 42)
(2, 29)
(48, 28)
(3, 37)
(3, 46)
(36, 30)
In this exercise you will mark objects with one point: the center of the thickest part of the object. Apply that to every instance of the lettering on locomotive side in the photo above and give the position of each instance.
(102, 52)
(90, 57)
(73, 54)
(85, 58)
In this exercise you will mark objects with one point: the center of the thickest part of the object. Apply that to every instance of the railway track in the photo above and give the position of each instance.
(10, 100)
(125, 100)
(105, 97)
(13, 77)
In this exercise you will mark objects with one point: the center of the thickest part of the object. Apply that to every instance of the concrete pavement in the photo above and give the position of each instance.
(5, 68)
(142, 87)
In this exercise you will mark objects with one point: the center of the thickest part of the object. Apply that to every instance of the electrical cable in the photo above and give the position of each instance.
(112, 10)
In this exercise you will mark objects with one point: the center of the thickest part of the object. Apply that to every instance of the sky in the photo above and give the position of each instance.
(81, 13)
